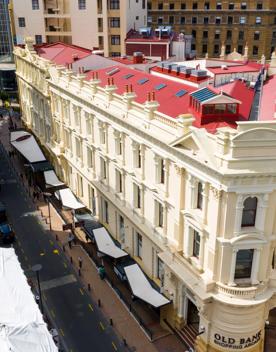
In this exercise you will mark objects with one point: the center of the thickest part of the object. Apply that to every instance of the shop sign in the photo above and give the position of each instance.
(237, 343)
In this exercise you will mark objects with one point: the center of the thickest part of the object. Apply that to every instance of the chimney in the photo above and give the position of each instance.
(138, 57)
(128, 96)
(151, 105)
(94, 82)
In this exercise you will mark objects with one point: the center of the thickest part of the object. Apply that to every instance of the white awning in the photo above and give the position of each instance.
(22, 325)
(26, 144)
(68, 199)
(106, 245)
(51, 179)
(141, 287)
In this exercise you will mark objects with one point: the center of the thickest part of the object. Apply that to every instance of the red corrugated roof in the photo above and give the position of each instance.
(268, 106)
(248, 67)
(61, 53)
(238, 90)
(170, 104)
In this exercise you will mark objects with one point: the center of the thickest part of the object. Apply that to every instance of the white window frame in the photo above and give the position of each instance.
(103, 169)
(119, 181)
(137, 196)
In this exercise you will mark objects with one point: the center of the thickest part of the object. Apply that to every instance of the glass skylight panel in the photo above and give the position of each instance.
(180, 93)
(129, 75)
(112, 72)
(160, 86)
(142, 81)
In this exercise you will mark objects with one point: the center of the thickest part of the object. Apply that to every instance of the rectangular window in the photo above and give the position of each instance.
(137, 196)
(103, 169)
(171, 19)
(244, 263)
(171, 6)
(218, 20)
(182, 20)
(159, 213)
(160, 20)
(35, 4)
(242, 20)
(196, 244)
(256, 35)
(217, 34)
(80, 185)
(258, 20)
(240, 49)
(160, 6)
(183, 6)
(114, 4)
(105, 211)
(255, 50)
(216, 49)
(241, 35)
(204, 48)
(139, 245)
(160, 269)
(230, 20)
(21, 22)
(114, 22)
(119, 182)
(206, 20)
(231, 6)
(229, 34)
(38, 39)
(92, 199)
(259, 6)
(137, 157)
(82, 4)
(194, 20)
(194, 5)
(207, 6)
(115, 40)
(243, 6)
(205, 34)
(122, 229)
(89, 158)
(199, 200)
(219, 6)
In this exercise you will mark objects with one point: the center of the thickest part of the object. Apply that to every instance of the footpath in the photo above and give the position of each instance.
(124, 324)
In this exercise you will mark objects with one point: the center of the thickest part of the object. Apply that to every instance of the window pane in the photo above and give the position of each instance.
(196, 244)
(249, 211)
(244, 263)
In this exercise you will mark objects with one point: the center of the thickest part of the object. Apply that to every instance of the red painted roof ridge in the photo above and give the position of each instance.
(73, 46)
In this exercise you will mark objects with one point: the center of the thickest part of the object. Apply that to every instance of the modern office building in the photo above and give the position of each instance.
(92, 24)
(6, 46)
(179, 176)
(213, 23)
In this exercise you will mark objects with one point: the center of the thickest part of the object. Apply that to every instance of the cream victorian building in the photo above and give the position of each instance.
(195, 209)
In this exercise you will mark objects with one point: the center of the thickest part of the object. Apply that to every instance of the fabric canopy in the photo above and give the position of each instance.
(141, 287)
(22, 327)
(68, 199)
(51, 179)
(26, 144)
(106, 245)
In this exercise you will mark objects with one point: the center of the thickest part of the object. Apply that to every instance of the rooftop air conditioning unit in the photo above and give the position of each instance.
(224, 67)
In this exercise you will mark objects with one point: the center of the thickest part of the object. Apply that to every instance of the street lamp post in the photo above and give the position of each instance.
(36, 269)
(48, 195)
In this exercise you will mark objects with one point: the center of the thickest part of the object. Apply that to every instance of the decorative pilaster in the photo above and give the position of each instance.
(231, 281)
(255, 266)
(238, 216)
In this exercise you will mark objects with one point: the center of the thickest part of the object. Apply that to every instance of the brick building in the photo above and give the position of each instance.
(212, 23)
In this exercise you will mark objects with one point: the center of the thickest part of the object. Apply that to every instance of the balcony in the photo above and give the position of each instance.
(56, 8)
(240, 292)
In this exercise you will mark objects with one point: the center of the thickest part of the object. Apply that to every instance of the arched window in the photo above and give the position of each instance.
(249, 211)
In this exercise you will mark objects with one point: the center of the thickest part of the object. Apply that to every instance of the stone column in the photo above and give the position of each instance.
(238, 215)
(204, 201)
(201, 251)
(187, 240)
(231, 281)
(255, 266)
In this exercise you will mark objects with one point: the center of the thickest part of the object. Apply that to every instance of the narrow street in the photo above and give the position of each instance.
(81, 325)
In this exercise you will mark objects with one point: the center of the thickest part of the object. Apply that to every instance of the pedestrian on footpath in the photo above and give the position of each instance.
(80, 262)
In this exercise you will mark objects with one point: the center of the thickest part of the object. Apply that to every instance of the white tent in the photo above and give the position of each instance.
(68, 199)
(26, 144)
(141, 287)
(51, 179)
(22, 327)
(106, 245)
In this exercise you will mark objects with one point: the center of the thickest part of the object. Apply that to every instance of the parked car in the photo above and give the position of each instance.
(3, 215)
(6, 233)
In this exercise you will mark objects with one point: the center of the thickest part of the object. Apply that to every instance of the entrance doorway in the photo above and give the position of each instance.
(270, 332)
(192, 315)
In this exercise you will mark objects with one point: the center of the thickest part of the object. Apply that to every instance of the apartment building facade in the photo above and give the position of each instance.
(99, 24)
(214, 23)
(195, 210)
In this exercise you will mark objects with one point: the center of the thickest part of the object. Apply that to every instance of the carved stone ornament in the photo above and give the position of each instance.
(178, 169)
(216, 192)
